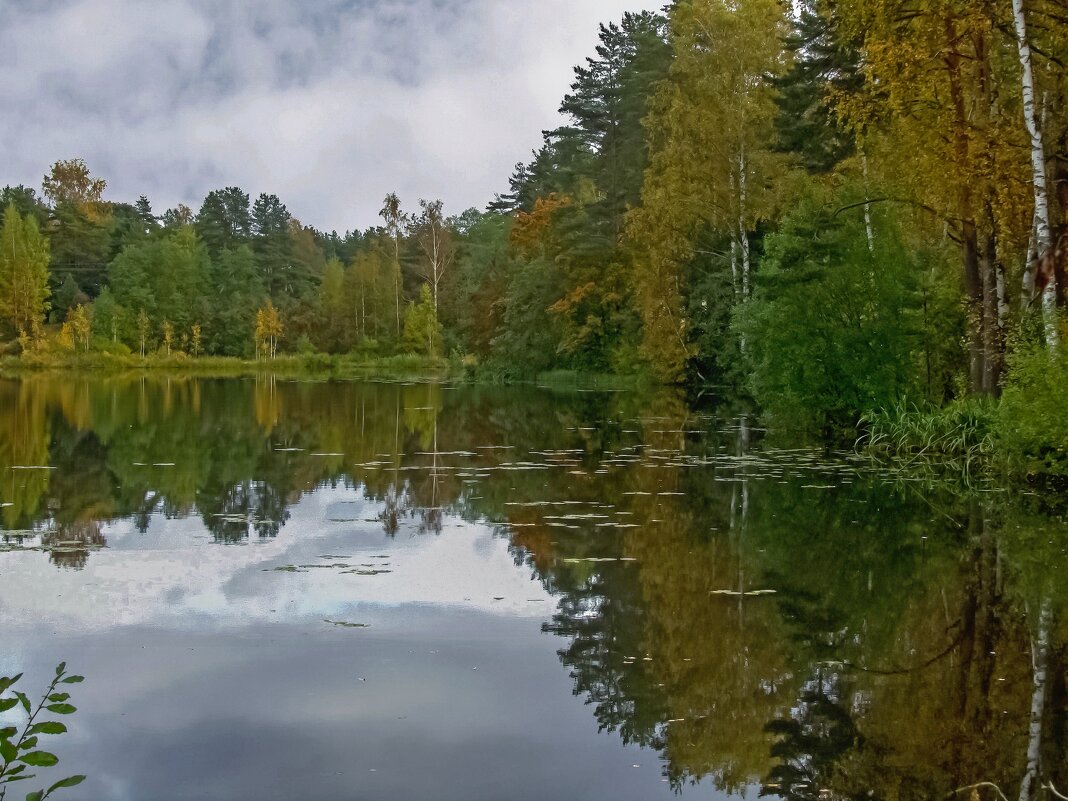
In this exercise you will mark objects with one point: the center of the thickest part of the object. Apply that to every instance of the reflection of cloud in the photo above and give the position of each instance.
(329, 104)
(174, 575)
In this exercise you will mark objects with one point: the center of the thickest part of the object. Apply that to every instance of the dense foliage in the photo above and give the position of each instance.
(837, 207)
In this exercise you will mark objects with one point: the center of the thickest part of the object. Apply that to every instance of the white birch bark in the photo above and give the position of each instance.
(1029, 274)
(743, 236)
(869, 229)
(1043, 233)
(1039, 658)
(734, 251)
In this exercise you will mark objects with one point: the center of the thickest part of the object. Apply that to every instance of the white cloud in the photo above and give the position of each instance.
(330, 105)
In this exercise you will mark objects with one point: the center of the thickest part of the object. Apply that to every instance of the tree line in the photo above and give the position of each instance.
(834, 205)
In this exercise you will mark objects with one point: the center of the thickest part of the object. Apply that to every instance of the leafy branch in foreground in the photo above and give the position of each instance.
(19, 750)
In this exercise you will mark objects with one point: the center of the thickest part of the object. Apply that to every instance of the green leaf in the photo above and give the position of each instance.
(60, 668)
(7, 703)
(25, 701)
(55, 698)
(28, 743)
(70, 781)
(73, 680)
(62, 709)
(39, 759)
(8, 733)
(8, 752)
(49, 727)
(6, 682)
(37, 795)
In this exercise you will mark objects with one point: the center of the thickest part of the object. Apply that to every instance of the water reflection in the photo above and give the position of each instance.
(784, 621)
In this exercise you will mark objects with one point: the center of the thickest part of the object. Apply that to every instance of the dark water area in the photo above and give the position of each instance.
(285, 590)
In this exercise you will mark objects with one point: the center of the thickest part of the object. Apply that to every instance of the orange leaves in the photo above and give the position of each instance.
(573, 298)
(530, 231)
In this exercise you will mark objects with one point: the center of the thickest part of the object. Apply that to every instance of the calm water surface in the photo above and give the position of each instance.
(284, 590)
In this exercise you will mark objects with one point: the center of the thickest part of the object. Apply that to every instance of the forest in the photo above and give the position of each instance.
(852, 211)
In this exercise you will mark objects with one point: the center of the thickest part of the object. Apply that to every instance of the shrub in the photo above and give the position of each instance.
(1032, 420)
(835, 325)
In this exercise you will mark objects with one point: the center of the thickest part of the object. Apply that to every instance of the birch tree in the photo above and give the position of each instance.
(1043, 233)
(932, 113)
(437, 245)
(24, 257)
(711, 165)
(395, 221)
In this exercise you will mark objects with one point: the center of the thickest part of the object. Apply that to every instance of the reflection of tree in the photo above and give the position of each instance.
(894, 657)
(601, 614)
(811, 743)
(69, 544)
(24, 437)
(251, 508)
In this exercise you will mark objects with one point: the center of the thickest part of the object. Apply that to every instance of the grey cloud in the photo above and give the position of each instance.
(330, 104)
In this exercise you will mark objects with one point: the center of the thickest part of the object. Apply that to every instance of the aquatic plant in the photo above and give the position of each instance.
(19, 751)
(959, 436)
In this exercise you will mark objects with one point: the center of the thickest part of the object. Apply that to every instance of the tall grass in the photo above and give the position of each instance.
(962, 436)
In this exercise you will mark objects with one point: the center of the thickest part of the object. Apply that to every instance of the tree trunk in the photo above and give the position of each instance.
(1043, 233)
(743, 235)
(397, 281)
(734, 252)
(992, 341)
(974, 288)
(1044, 236)
(1039, 657)
(869, 229)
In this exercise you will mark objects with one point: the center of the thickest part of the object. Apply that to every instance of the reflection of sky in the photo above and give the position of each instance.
(175, 575)
(211, 675)
(453, 704)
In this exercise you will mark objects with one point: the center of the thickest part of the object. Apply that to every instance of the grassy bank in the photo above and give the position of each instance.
(1023, 434)
(313, 366)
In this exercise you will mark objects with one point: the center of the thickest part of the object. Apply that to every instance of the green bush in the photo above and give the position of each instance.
(1032, 421)
(834, 327)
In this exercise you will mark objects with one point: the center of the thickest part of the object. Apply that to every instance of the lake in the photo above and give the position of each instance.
(282, 590)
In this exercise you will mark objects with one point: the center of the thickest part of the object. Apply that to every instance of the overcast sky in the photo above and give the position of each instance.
(329, 104)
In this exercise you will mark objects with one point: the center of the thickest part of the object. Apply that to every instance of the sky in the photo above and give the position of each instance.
(330, 104)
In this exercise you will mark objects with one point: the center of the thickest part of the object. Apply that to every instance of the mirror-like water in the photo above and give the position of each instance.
(286, 590)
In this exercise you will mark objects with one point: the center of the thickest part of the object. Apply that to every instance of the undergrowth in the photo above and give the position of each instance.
(961, 436)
